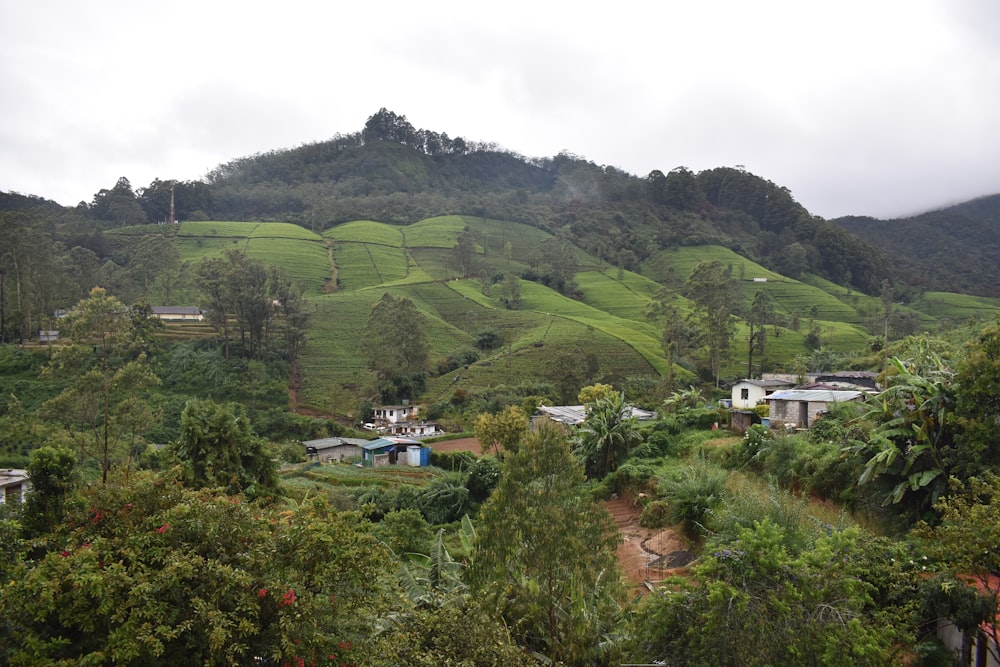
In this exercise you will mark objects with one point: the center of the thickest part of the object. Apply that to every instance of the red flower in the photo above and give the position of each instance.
(287, 599)
(262, 593)
(65, 554)
(164, 528)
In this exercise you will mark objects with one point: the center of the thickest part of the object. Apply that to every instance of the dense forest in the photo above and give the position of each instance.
(175, 519)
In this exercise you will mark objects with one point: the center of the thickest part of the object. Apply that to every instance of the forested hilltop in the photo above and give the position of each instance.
(954, 249)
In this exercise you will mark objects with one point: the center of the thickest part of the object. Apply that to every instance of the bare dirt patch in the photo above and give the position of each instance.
(646, 554)
(459, 445)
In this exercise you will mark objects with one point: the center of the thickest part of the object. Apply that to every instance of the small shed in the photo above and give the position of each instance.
(799, 408)
(334, 449)
(14, 485)
(743, 419)
(386, 451)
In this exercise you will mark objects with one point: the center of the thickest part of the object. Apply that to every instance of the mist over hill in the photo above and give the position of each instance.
(393, 172)
(955, 249)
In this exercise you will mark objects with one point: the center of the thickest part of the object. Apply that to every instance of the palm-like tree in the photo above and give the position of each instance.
(607, 435)
(913, 427)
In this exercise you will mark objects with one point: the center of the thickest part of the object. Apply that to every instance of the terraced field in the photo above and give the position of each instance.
(609, 322)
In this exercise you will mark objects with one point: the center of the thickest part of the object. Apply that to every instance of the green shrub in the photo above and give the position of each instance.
(753, 448)
(662, 441)
(647, 450)
(289, 452)
(405, 531)
(633, 475)
(484, 475)
(655, 514)
(457, 360)
(445, 500)
(489, 339)
(453, 461)
(693, 493)
(375, 502)
(828, 429)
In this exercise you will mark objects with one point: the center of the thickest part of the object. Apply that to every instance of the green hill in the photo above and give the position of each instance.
(604, 328)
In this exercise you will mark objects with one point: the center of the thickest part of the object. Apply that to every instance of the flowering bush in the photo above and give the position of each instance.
(184, 577)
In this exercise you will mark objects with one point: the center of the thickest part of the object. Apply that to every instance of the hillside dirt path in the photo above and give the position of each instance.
(646, 554)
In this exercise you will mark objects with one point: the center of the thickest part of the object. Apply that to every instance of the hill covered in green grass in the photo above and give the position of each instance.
(598, 332)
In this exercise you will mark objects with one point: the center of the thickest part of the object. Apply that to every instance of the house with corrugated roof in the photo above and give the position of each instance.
(393, 451)
(799, 408)
(337, 450)
(571, 416)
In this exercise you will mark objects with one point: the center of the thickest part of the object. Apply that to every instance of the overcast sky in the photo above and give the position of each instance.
(873, 107)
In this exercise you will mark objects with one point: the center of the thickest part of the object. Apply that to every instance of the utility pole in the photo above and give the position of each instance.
(172, 219)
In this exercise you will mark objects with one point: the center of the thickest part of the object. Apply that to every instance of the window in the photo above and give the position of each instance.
(745, 393)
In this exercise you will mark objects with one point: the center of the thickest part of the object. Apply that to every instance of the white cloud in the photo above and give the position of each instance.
(859, 108)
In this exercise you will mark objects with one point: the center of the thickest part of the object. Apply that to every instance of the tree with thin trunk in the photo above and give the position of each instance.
(713, 290)
(674, 333)
(761, 314)
(105, 409)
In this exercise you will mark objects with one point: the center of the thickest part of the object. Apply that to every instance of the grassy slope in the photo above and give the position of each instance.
(416, 261)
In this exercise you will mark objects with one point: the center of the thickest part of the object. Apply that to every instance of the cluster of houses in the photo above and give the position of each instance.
(794, 404)
(399, 444)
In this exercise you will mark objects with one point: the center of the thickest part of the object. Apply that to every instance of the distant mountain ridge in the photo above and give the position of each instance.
(954, 249)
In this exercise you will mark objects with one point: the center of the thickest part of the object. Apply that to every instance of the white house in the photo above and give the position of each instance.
(390, 414)
(414, 429)
(747, 394)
